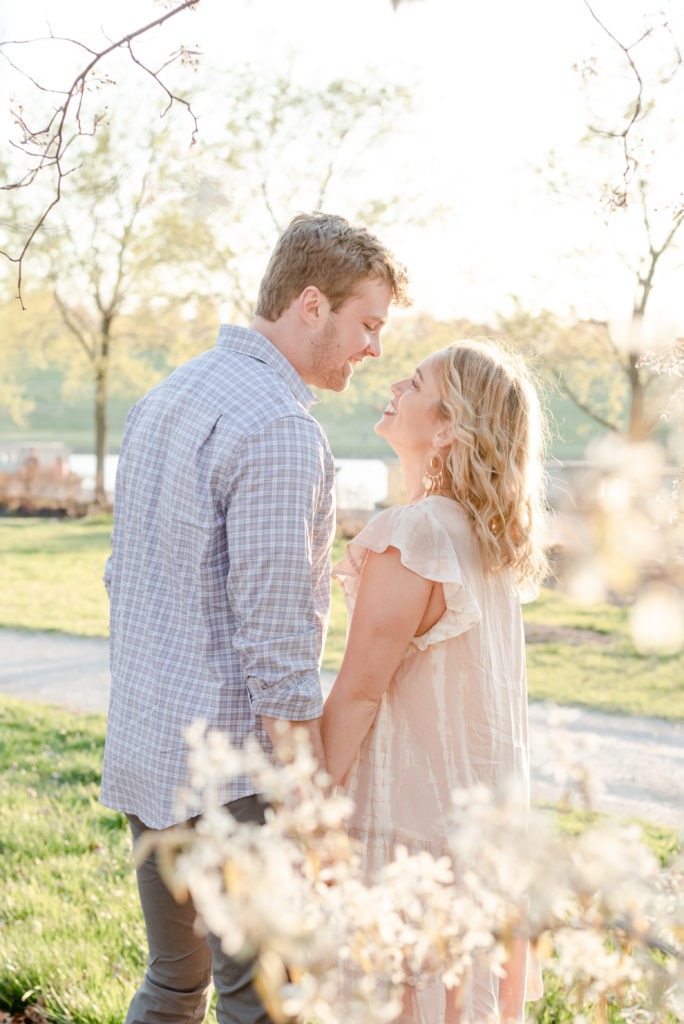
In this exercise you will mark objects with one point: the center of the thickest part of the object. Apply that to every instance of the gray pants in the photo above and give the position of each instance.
(181, 964)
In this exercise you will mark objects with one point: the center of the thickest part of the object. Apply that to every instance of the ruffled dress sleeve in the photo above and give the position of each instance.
(427, 548)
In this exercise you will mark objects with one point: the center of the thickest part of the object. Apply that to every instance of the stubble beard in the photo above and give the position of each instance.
(324, 373)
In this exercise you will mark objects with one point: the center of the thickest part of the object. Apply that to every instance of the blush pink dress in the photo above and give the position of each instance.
(453, 716)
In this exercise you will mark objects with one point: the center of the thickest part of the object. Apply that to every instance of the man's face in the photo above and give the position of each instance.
(349, 335)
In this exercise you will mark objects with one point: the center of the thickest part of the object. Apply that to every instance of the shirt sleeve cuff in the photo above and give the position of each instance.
(298, 698)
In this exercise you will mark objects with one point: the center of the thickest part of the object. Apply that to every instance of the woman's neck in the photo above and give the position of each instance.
(413, 471)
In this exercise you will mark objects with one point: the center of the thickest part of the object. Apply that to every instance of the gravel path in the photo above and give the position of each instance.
(632, 766)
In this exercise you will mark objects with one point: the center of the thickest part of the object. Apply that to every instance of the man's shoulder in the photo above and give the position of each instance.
(231, 393)
(228, 382)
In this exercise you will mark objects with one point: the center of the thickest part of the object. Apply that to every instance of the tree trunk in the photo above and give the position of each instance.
(100, 433)
(639, 424)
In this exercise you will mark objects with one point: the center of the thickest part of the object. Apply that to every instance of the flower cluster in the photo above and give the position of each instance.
(626, 538)
(333, 946)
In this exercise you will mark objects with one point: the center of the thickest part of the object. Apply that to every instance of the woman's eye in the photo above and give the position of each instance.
(414, 383)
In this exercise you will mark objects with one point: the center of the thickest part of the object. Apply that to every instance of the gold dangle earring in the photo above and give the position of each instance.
(433, 477)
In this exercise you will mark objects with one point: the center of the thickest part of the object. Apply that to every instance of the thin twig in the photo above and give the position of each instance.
(630, 161)
(51, 141)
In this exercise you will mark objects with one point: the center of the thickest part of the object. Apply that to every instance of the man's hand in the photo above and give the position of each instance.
(280, 734)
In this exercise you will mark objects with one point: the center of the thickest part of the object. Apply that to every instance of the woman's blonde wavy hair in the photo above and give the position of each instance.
(494, 467)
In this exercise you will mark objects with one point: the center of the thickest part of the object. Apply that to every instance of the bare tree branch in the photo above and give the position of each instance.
(73, 326)
(49, 144)
(619, 196)
(645, 279)
(183, 55)
(586, 408)
(631, 162)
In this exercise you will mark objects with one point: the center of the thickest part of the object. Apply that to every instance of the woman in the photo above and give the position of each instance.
(431, 695)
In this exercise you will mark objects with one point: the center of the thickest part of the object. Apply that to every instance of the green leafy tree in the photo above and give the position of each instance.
(126, 264)
(613, 385)
(19, 351)
(150, 245)
(290, 147)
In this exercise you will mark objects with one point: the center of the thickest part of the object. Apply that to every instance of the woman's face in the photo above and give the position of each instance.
(411, 418)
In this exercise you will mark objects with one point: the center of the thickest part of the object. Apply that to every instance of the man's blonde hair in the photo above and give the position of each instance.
(326, 251)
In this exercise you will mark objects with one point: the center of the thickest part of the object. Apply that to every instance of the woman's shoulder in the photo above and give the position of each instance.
(437, 514)
(447, 511)
(433, 507)
(431, 534)
(431, 516)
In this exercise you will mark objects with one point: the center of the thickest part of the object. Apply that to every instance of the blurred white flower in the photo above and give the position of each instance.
(657, 619)
(334, 947)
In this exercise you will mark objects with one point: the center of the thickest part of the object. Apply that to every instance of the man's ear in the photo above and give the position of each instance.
(313, 307)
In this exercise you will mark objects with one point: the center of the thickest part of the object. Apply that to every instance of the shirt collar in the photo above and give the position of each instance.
(257, 346)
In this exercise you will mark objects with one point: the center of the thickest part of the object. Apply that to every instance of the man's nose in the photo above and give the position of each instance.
(374, 350)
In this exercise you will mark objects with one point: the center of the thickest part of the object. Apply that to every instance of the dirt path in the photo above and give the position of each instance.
(634, 766)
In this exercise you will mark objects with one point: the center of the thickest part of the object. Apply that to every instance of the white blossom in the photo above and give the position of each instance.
(334, 947)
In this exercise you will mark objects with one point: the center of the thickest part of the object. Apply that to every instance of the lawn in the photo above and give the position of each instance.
(52, 574)
(71, 935)
(52, 580)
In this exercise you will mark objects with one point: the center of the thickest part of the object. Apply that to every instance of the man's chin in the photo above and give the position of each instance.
(345, 378)
(336, 382)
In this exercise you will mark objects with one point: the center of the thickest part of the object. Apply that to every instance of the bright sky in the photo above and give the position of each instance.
(496, 92)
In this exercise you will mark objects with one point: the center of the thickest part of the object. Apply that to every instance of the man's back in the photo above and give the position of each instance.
(224, 482)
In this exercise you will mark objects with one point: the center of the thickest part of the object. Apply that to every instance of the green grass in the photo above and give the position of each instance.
(71, 936)
(71, 933)
(663, 842)
(611, 678)
(52, 580)
(52, 574)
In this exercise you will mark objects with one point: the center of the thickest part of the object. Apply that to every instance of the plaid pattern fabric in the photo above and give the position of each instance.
(219, 576)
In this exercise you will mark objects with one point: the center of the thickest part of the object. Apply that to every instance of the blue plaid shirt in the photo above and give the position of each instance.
(219, 576)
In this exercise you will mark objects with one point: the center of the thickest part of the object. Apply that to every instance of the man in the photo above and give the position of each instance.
(219, 573)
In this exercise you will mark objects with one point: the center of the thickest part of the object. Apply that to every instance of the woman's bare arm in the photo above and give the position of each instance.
(390, 607)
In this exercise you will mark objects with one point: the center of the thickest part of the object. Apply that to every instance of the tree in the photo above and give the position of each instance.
(121, 262)
(291, 146)
(611, 384)
(46, 137)
(597, 360)
(145, 233)
(17, 353)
